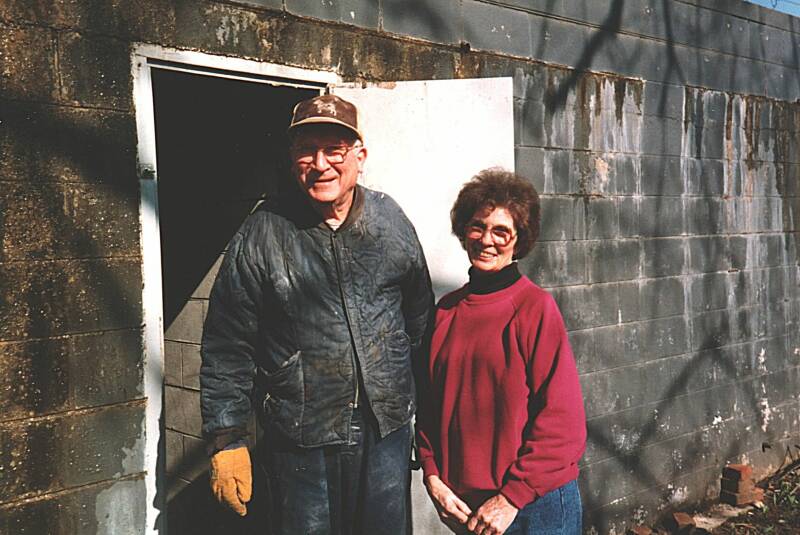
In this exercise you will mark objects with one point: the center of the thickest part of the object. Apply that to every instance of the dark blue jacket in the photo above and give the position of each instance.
(296, 307)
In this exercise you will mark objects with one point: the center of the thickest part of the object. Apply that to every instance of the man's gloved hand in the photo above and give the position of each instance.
(232, 478)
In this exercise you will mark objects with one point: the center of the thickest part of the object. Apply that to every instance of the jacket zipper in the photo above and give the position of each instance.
(346, 316)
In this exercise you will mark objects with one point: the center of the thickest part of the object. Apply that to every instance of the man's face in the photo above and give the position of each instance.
(326, 161)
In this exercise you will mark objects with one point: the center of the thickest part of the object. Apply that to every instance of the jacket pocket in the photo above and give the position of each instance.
(398, 344)
(281, 395)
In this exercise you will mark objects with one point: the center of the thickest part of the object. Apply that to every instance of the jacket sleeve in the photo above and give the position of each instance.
(417, 300)
(555, 435)
(418, 312)
(229, 338)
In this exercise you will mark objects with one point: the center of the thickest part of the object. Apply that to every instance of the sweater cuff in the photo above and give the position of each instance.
(518, 493)
(429, 467)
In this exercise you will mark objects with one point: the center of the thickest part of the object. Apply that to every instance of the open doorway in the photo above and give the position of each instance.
(221, 146)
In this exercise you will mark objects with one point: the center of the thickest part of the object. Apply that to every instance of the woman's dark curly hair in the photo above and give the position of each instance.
(498, 188)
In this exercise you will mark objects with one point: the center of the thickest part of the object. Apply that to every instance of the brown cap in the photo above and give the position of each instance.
(326, 109)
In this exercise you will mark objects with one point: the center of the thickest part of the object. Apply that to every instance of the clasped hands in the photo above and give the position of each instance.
(493, 517)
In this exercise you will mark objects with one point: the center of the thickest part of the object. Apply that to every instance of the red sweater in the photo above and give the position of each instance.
(503, 410)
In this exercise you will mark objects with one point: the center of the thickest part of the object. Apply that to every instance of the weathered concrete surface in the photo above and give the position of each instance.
(115, 507)
(670, 179)
(47, 454)
(46, 376)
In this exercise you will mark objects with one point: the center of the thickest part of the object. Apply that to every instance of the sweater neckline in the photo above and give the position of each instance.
(498, 295)
(483, 283)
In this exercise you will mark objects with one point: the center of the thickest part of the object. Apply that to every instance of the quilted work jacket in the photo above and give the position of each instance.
(297, 306)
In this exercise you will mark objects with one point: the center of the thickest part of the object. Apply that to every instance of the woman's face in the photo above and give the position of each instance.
(490, 238)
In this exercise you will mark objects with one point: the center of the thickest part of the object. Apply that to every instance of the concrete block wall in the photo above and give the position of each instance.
(71, 387)
(662, 136)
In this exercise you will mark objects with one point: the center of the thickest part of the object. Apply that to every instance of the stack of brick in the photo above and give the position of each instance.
(680, 523)
(737, 486)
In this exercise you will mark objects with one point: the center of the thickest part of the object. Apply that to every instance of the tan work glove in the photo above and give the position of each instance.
(232, 478)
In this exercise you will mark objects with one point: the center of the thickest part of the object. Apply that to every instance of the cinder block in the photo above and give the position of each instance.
(662, 257)
(704, 177)
(496, 28)
(709, 292)
(611, 261)
(99, 221)
(182, 410)
(48, 299)
(530, 82)
(664, 100)
(628, 174)
(529, 163)
(532, 122)
(628, 217)
(35, 138)
(172, 363)
(361, 13)
(662, 297)
(436, 21)
(41, 377)
(601, 217)
(70, 450)
(711, 329)
(661, 216)
(174, 451)
(557, 41)
(28, 71)
(203, 289)
(191, 366)
(558, 219)
(106, 368)
(556, 263)
(706, 215)
(34, 378)
(188, 325)
(559, 174)
(711, 253)
(109, 507)
(194, 463)
(588, 306)
(661, 175)
(664, 337)
(95, 71)
(661, 136)
(124, 18)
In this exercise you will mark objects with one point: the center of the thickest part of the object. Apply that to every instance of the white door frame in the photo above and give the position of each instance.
(144, 58)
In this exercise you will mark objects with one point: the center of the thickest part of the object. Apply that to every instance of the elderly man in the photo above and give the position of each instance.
(317, 312)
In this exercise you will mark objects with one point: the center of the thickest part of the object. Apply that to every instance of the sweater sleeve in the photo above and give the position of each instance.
(555, 435)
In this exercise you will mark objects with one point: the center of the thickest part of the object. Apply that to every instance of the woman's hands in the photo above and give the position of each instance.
(452, 509)
(493, 517)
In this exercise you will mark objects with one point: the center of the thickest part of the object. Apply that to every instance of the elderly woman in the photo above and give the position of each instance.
(501, 425)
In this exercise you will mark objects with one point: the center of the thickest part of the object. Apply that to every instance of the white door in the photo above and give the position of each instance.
(424, 140)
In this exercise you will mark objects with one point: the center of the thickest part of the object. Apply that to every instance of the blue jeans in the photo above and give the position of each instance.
(357, 488)
(558, 512)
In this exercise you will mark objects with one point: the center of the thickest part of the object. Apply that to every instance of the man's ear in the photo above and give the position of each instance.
(361, 157)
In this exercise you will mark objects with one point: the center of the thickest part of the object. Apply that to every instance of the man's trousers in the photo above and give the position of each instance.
(341, 490)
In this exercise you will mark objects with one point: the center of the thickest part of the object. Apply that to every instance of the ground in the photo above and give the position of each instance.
(780, 513)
